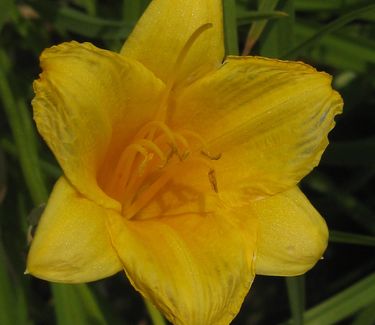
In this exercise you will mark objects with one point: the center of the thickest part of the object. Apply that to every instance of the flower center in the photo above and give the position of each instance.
(156, 155)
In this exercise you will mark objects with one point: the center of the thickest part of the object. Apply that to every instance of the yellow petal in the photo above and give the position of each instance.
(165, 28)
(84, 97)
(268, 118)
(71, 244)
(292, 234)
(196, 268)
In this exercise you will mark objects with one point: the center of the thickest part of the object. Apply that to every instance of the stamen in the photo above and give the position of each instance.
(211, 172)
(212, 179)
(148, 131)
(195, 136)
(153, 147)
(174, 150)
(182, 140)
(138, 180)
(174, 146)
(130, 208)
(177, 67)
(201, 141)
(151, 191)
(210, 156)
(123, 168)
(132, 185)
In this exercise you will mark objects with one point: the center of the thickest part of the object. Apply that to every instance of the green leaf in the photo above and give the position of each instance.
(72, 20)
(343, 304)
(12, 297)
(156, 317)
(346, 203)
(366, 316)
(296, 295)
(230, 27)
(132, 10)
(3, 177)
(89, 5)
(279, 37)
(257, 27)
(16, 116)
(338, 50)
(75, 304)
(320, 6)
(51, 170)
(336, 236)
(8, 12)
(72, 303)
(329, 28)
(245, 17)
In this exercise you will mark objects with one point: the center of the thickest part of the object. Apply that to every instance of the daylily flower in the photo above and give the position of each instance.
(179, 169)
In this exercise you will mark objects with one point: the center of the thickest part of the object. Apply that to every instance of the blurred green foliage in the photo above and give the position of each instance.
(334, 35)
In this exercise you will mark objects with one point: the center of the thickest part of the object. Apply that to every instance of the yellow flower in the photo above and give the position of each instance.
(178, 168)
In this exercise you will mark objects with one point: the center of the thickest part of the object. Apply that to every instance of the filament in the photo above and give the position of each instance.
(138, 178)
(177, 68)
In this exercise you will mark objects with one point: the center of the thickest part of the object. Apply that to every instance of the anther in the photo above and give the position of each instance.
(185, 155)
(211, 156)
(171, 153)
(202, 143)
(212, 179)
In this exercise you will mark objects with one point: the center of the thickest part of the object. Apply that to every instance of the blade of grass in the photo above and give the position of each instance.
(279, 35)
(3, 176)
(345, 303)
(69, 19)
(360, 213)
(331, 6)
(329, 28)
(156, 317)
(14, 114)
(296, 295)
(230, 27)
(336, 236)
(319, 5)
(132, 10)
(66, 311)
(339, 50)
(12, 296)
(8, 11)
(366, 316)
(257, 27)
(76, 305)
(245, 17)
(89, 5)
(49, 169)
